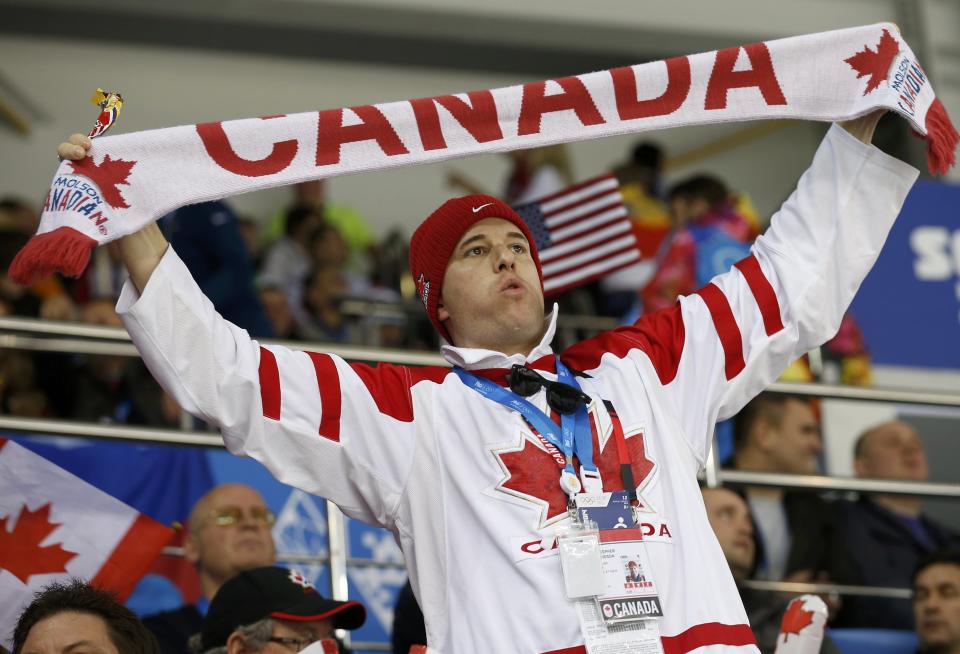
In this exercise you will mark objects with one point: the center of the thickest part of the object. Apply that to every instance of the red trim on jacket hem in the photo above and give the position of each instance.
(701, 635)
(727, 329)
(708, 633)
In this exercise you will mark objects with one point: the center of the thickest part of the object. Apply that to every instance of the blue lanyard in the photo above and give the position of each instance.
(575, 436)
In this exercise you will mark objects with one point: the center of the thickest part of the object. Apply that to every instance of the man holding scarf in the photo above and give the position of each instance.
(470, 476)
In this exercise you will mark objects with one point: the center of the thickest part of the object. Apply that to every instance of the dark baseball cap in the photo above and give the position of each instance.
(272, 592)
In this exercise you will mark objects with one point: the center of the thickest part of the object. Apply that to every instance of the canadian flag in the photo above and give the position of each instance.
(54, 525)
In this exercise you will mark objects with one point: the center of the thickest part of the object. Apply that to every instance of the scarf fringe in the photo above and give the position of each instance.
(942, 139)
(62, 250)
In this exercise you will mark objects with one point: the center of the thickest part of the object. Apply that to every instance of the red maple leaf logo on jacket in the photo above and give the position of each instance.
(20, 551)
(532, 473)
(795, 619)
(877, 63)
(107, 175)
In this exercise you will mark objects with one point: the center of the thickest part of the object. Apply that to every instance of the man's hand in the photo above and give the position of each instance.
(864, 126)
(74, 148)
(140, 251)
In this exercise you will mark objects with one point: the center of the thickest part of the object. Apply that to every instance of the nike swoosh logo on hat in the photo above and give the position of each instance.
(476, 209)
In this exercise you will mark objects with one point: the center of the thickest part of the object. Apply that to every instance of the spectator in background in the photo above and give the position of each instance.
(250, 233)
(798, 531)
(74, 617)
(259, 608)
(732, 523)
(889, 533)
(319, 317)
(288, 262)
(20, 394)
(228, 532)
(351, 225)
(936, 602)
(276, 304)
(713, 229)
(207, 238)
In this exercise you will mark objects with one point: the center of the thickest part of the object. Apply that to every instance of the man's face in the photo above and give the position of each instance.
(730, 518)
(936, 607)
(70, 632)
(793, 445)
(892, 451)
(491, 296)
(222, 546)
(289, 636)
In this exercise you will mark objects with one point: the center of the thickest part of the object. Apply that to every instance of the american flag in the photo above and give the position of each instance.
(582, 233)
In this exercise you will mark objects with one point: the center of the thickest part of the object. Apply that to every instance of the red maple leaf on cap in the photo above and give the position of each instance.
(107, 175)
(875, 64)
(795, 618)
(20, 551)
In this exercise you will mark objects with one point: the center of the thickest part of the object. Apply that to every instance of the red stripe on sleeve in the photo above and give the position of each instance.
(763, 292)
(726, 326)
(133, 556)
(710, 633)
(660, 335)
(329, 382)
(579, 649)
(269, 384)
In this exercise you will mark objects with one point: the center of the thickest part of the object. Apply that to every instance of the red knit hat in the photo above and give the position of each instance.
(432, 244)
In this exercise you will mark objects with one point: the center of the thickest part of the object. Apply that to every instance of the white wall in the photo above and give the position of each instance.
(164, 87)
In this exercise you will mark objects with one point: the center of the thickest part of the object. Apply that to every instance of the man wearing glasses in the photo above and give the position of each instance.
(271, 611)
(229, 531)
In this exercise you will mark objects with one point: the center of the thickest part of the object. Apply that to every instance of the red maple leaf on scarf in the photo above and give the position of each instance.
(107, 175)
(875, 64)
(20, 551)
(795, 618)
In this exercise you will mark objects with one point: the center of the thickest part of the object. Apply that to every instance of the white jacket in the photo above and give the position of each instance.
(469, 491)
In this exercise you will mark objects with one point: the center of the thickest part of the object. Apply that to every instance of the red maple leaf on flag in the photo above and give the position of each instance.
(107, 175)
(875, 64)
(795, 618)
(20, 551)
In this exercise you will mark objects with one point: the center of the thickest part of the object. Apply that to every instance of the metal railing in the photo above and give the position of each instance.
(37, 335)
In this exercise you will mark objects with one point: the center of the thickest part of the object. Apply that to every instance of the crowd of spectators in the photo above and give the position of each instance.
(293, 277)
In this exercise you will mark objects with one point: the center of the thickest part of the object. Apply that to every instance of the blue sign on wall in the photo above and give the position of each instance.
(909, 305)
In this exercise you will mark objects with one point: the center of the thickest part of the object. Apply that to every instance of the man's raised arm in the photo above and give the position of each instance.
(311, 418)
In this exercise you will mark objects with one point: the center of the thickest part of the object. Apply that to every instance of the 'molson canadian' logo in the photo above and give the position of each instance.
(906, 78)
(78, 195)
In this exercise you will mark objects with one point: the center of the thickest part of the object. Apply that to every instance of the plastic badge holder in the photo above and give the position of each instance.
(580, 562)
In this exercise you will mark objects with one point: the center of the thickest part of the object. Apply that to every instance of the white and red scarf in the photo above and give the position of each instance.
(129, 180)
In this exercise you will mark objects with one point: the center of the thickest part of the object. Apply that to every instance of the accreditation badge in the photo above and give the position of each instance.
(601, 637)
(622, 616)
(630, 592)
